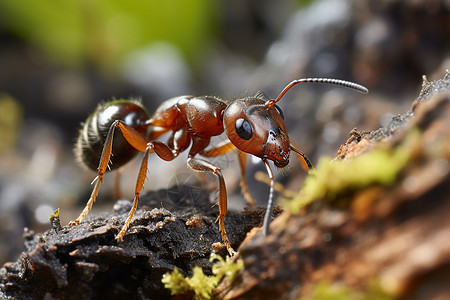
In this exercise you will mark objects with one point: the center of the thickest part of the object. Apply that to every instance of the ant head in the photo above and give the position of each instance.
(257, 129)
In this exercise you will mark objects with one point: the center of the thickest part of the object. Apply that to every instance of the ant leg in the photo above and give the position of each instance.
(164, 152)
(103, 165)
(139, 185)
(244, 187)
(225, 148)
(269, 208)
(221, 149)
(140, 143)
(205, 166)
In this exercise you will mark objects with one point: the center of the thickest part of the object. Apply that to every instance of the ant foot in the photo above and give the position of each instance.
(75, 222)
(230, 250)
(119, 237)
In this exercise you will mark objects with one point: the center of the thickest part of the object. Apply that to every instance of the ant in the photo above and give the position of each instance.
(252, 125)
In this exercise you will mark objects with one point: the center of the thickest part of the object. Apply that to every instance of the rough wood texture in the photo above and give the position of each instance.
(86, 260)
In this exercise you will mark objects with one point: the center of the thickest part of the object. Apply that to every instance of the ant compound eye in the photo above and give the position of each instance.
(244, 128)
(279, 111)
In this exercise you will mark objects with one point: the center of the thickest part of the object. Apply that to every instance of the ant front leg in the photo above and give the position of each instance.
(243, 183)
(201, 165)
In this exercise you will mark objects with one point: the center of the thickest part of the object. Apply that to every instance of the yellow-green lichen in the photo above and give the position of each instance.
(331, 178)
(175, 282)
(200, 284)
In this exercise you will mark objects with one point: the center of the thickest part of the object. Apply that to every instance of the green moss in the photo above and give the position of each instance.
(226, 267)
(334, 177)
(327, 291)
(200, 284)
(175, 282)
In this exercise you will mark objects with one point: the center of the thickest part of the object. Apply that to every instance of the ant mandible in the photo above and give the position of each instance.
(252, 125)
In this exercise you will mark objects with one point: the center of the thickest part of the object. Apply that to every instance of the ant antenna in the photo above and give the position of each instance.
(344, 83)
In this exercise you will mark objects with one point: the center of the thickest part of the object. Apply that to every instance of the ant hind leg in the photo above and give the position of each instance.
(103, 165)
(243, 183)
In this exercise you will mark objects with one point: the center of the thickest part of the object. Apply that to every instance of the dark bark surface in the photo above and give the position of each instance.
(86, 260)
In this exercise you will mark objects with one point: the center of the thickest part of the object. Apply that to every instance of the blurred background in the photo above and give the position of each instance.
(59, 59)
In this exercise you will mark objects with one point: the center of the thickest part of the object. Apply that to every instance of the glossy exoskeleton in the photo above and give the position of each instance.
(253, 126)
(92, 136)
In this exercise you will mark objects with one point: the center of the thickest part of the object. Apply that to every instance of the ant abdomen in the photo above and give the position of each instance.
(92, 136)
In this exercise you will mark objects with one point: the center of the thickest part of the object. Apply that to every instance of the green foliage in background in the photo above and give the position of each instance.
(305, 2)
(102, 32)
(11, 116)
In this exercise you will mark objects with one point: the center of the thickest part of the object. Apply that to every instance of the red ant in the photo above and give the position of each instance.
(252, 125)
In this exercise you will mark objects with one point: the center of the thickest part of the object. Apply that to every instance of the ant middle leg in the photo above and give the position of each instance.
(164, 152)
(139, 185)
(224, 148)
(198, 164)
